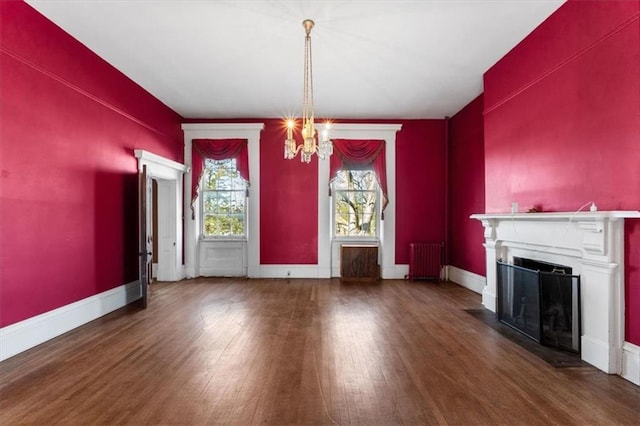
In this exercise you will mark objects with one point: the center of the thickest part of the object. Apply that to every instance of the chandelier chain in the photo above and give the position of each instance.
(307, 101)
(323, 148)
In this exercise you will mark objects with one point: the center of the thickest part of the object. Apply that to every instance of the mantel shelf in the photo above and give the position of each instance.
(552, 216)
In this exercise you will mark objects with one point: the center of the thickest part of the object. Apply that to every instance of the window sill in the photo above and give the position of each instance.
(374, 240)
(224, 239)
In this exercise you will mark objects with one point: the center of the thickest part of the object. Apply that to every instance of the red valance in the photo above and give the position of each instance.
(216, 149)
(360, 154)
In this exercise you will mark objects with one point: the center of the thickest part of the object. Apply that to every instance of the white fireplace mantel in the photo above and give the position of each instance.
(592, 244)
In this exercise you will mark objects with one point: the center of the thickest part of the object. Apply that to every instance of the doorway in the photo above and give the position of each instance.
(165, 214)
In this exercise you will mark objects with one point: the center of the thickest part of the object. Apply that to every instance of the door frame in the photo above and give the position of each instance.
(169, 175)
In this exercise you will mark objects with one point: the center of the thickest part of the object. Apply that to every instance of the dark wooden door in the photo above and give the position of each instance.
(145, 247)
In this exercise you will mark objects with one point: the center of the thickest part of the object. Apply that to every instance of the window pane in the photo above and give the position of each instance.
(231, 226)
(223, 199)
(356, 197)
(213, 225)
(222, 175)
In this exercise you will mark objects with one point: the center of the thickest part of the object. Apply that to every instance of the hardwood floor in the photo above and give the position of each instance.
(308, 352)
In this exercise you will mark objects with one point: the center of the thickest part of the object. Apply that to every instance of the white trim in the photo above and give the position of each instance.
(163, 168)
(473, 282)
(631, 362)
(31, 332)
(386, 132)
(222, 258)
(362, 131)
(397, 272)
(559, 216)
(596, 352)
(230, 130)
(251, 132)
(325, 211)
(168, 175)
(291, 271)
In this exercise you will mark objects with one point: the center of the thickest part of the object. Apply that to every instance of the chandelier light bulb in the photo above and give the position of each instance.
(290, 126)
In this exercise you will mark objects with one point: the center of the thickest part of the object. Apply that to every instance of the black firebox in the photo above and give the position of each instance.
(542, 301)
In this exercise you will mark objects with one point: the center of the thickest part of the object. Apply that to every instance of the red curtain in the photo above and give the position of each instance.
(359, 154)
(216, 149)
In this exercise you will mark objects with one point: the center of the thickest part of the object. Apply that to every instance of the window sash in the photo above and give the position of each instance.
(235, 201)
(227, 216)
(224, 202)
(357, 196)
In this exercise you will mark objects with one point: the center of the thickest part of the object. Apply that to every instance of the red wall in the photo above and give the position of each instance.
(288, 205)
(288, 201)
(562, 122)
(70, 123)
(466, 188)
(420, 184)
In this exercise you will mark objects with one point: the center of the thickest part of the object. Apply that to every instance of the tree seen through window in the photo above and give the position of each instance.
(356, 203)
(223, 200)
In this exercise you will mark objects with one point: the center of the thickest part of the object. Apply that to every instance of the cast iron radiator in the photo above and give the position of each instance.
(425, 261)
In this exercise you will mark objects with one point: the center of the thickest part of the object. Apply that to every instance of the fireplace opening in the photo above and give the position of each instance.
(542, 301)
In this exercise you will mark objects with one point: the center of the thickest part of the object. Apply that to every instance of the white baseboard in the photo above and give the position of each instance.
(324, 272)
(313, 271)
(289, 271)
(396, 272)
(489, 300)
(473, 282)
(596, 353)
(31, 332)
(222, 272)
(631, 362)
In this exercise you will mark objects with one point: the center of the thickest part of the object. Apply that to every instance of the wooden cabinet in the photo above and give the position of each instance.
(359, 262)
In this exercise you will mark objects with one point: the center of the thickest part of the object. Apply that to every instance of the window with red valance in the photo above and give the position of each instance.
(360, 154)
(216, 149)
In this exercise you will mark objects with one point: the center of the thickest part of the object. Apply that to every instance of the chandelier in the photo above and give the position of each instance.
(309, 146)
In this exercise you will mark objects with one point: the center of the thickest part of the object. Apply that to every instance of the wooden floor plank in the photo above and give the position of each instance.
(308, 352)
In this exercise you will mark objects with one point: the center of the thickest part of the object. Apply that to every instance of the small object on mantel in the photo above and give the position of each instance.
(533, 210)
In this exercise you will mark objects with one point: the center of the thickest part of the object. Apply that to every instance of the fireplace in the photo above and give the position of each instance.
(541, 300)
(592, 245)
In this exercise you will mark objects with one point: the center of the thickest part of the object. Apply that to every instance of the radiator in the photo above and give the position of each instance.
(425, 260)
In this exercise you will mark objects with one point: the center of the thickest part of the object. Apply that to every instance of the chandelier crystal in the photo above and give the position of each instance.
(324, 148)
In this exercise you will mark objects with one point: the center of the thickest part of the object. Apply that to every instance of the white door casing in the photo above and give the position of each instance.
(168, 174)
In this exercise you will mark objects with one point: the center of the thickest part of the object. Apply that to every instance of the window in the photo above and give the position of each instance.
(224, 200)
(355, 204)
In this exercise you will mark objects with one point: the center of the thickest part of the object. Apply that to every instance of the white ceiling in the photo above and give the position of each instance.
(240, 59)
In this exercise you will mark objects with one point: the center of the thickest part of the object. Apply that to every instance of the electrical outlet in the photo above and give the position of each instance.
(288, 274)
